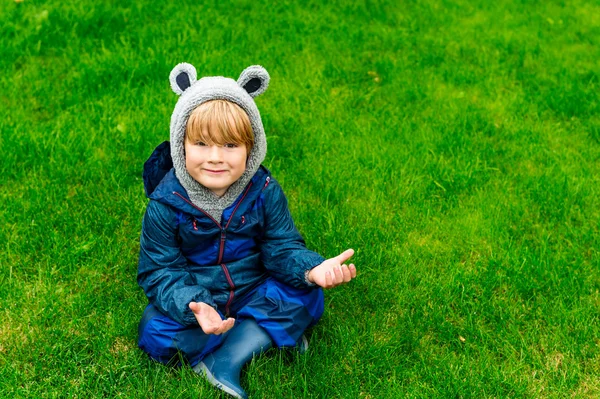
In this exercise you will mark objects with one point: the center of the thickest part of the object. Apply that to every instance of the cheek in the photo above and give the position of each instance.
(188, 159)
(244, 158)
(193, 156)
(192, 161)
(243, 162)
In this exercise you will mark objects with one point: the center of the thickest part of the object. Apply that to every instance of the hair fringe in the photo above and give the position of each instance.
(220, 122)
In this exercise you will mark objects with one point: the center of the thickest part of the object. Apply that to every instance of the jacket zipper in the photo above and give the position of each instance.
(222, 242)
(231, 285)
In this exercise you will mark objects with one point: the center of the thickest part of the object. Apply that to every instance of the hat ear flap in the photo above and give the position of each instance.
(182, 77)
(255, 80)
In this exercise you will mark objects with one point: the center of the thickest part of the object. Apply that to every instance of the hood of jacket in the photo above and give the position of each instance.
(192, 92)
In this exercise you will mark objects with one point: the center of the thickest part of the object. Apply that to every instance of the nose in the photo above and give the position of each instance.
(214, 154)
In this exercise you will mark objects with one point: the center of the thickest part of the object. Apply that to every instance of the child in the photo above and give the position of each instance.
(226, 273)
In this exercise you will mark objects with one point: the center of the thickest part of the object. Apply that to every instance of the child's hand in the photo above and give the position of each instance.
(333, 272)
(209, 319)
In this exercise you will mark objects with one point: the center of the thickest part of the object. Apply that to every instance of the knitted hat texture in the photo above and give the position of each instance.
(252, 82)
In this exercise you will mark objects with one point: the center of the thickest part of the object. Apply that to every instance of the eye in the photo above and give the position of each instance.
(231, 145)
(201, 143)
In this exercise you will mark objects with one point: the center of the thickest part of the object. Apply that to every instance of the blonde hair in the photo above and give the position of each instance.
(220, 122)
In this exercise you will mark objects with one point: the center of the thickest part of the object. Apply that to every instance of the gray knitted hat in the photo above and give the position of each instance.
(253, 81)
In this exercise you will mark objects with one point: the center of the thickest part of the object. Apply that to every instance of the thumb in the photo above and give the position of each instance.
(195, 307)
(344, 256)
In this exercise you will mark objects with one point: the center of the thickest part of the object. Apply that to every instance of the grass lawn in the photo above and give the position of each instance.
(454, 144)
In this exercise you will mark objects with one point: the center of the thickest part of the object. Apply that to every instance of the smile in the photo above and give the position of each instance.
(214, 172)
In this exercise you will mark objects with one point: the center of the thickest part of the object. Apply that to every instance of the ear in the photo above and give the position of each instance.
(182, 77)
(255, 80)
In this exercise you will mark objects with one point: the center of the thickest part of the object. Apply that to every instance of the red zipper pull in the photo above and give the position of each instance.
(194, 223)
(267, 182)
(243, 220)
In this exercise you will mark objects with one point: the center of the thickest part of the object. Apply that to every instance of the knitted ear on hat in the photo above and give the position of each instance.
(182, 77)
(255, 80)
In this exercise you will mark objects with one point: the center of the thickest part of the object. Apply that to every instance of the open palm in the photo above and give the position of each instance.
(209, 319)
(333, 272)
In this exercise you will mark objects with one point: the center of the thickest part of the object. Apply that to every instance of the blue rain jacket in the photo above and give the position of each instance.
(186, 255)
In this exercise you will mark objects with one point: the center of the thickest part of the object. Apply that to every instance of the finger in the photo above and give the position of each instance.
(221, 327)
(339, 276)
(346, 273)
(352, 270)
(328, 280)
(209, 329)
(344, 256)
(193, 306)
(230, 322)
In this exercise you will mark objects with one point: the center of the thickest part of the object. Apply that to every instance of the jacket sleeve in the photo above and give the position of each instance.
(163, 270)
(283, 251)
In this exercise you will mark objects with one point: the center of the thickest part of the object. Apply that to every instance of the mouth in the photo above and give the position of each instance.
(215, 171)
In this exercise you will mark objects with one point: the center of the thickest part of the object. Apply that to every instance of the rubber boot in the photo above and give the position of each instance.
(302, 345)
(222, 368)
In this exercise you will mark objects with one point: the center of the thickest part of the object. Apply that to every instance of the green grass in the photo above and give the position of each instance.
(454, 144)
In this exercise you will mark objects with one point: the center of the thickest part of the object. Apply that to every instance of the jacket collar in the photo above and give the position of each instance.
(171, 192)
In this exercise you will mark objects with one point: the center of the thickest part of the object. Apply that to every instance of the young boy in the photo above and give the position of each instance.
(226, 273)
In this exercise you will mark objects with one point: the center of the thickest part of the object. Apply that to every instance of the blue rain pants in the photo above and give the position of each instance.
(283, 311)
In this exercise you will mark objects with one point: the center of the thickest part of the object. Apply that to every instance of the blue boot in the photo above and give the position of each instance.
(302, 344)
(222, 368)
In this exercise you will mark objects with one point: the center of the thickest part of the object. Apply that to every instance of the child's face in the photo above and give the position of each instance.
(215, 167)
